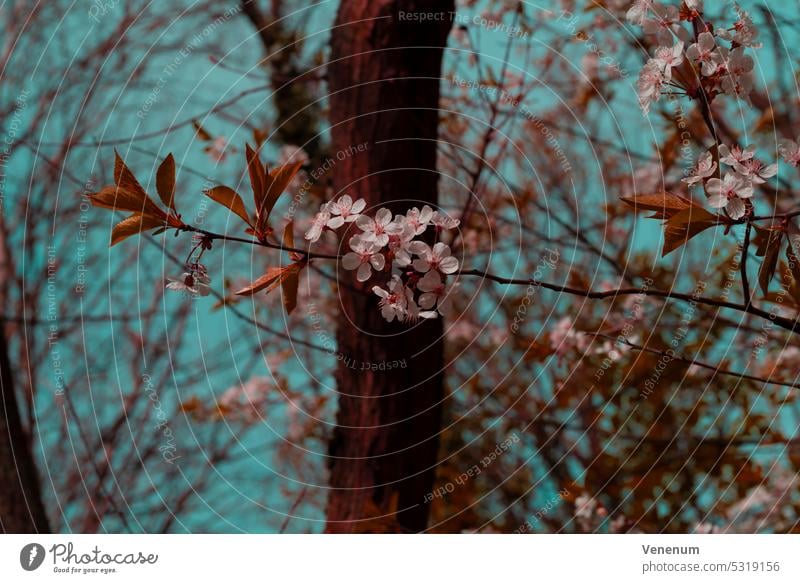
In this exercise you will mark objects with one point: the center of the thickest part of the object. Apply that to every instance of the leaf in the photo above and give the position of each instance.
(288, 235)
(259, 136)
(269, 281)
(125, 179)
(684, 225)
(117, 198)
(165, 181)
(134, 225)
(202, 134)
(229, 198)
(664, 204)
(258, 177)
(276, 183)
(289, 286)
(794, 262)
(771, 250)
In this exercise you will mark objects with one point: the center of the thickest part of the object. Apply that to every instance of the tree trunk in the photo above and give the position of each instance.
(384, 84)
(21, 507)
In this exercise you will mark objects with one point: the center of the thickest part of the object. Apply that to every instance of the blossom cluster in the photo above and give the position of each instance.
(418, 286)
(193, 282)
(731, 190)
(696, 62)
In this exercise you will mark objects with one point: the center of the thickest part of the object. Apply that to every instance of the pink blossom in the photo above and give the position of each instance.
(670, 57)
(345, 211)
(704, 53)
(564, 337)
(436, 293)
(738, 80)
(293, 154)
(320, 220)
(218, 150)
(735, 155)
(756, 171)
(705, 168)
(744, 30)
(789, 151)
(365, 256)
(651, 80)
(194, 281)
(393, 302)
(400, 241)
(419, 219)
(637, 13)
(378, 229)
(729, 193)
(444, 221)
(438, 258)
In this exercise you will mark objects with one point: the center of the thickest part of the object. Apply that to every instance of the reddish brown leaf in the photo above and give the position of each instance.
(289, 285)
(125, 179)
(229, 198)
(165, 181)
(258, 177)
(275, 184)
(684, 225)
(288, 235)
(202, 134)
(118, 198)
(269, 281)
(664, 204)
(771, 248)
(133, 225)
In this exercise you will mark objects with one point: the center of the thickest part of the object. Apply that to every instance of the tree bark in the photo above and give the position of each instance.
(21, 506)
(384, 85)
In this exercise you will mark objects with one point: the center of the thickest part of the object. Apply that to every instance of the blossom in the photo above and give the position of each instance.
(419, 219)
(789, 151)
(651, 80)
(218, 150)
(564, 337)
(704, 53)
(661, 25)
(615, 350)
(444, 221)
(637, 13)
(729, 193)
(756, 171)
(735, 155)
(364, 256)
(400, 243)
(345, 211)
(669, 58)
(378, 229)
(744, 31)
(394, 302)
(194, 281)
(585, 506)
(436, 293)
(437, 258)
(739, 77)
(398, 302)
(290, 153)
(705, 168)
(320, 220)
